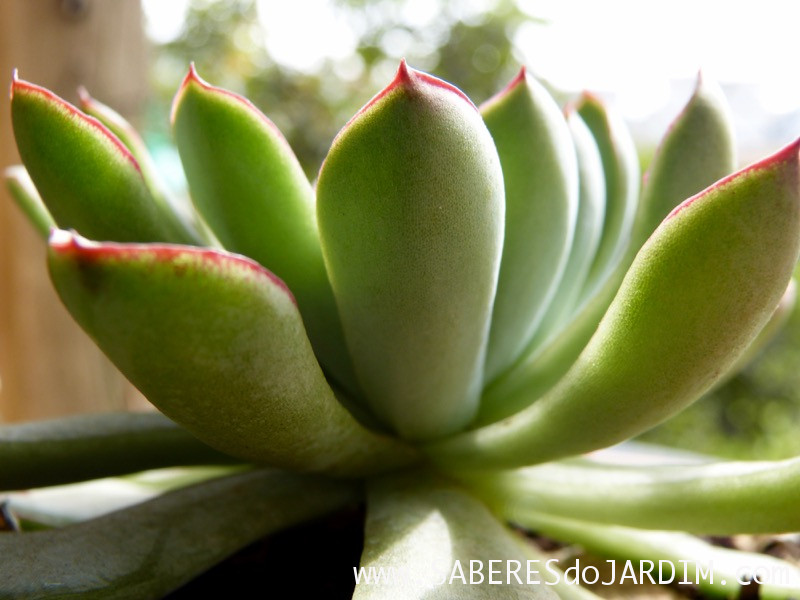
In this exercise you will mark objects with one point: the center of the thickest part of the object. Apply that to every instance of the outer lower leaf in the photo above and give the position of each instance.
(697, 294)
(150, 549)
(426, 537)
(621, 171)
(716, 571)
(697, 150)
(718, 498)
(541, 186)
(23, 191)
(62, 505)
(250, 188)
(216, 342)
(44, 453)
(86, 176)
(410, 208)
(181, 216)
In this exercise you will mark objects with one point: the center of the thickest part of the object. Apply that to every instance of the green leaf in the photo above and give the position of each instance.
(86, 176)
(23, 191)
(410, 208)
(716, 571)
(248, 185)
(425, 537)
(153, 548)
(588, 230)
(767, 335)
(696, 295)
(541, 187)
(216, 342)
(43, 453)
(545, 365)
(697, 150)
(716, 498)
(621, 173)
(180, 214)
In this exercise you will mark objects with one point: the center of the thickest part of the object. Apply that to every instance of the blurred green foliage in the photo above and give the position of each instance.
(757, 414)
(224, 40)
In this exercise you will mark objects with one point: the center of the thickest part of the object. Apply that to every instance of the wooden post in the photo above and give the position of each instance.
(48, 366)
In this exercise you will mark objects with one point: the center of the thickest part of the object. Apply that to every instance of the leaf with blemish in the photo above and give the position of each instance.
(216, 342)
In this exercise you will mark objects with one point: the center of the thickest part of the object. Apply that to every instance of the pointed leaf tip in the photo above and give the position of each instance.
(192, 77)
(85, 97)
(410, 177)
(409, 78)
(22, 87)
(14, 79)
(789, 154)
(519, 79)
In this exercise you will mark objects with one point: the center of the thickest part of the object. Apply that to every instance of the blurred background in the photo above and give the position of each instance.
(310, 64)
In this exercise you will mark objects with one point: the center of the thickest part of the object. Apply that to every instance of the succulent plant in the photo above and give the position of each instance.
(465, 303)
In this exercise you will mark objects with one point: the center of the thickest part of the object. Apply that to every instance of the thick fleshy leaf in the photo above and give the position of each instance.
(697, 294)
(153, 548)
(432, 540)
(248, 185)
(541, 185)
(24, 193)
(588, 230)
(766, 336)
(530, 378)
(410, 208)
(685, 560)
(65, 504)
(697, 150)
(621, 172)
(216, 342)
(86, 176)
(717, 498)
(43, 453)
(545, 361)
(181, 214)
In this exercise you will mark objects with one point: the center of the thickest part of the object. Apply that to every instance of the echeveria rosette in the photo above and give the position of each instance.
(375, 336)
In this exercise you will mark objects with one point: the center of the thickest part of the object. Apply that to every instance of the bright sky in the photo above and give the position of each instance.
(637, 49)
